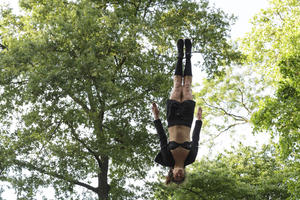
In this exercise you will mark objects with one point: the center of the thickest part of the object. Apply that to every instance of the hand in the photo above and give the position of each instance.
(155, 111)
(199, 114)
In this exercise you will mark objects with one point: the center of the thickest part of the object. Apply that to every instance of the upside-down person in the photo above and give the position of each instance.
(179, 151)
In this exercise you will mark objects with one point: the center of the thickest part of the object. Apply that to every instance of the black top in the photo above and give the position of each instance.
(186, 145)
(165, 156)
(180, 113)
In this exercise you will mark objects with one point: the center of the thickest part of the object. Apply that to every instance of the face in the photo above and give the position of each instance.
(178, 174)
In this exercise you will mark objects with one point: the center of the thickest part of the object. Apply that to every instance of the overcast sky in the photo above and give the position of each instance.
(244, 10)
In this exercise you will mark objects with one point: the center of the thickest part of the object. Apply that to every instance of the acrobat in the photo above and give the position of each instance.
(179, 151)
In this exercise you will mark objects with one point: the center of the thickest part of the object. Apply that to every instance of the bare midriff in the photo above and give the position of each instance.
(179, 134)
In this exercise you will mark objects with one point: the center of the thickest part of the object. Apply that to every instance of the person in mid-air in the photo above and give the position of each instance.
(179, 151)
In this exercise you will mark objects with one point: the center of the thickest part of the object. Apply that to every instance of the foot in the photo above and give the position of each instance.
(188, 48)
(180, 48)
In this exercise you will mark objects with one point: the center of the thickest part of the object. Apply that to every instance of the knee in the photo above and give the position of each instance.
(176, 94)
(187, 94)
(187, 90)
(178, 86)
(177, 89)
(187, 86)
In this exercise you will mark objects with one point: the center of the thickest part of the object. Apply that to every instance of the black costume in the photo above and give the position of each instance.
(179, 113)
(165, 156)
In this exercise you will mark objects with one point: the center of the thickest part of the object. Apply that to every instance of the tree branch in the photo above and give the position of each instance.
(235, 117)
(197, 193)
(132, 98)
(278, 13)
(78, 101)
(1, 171)
(222, 131)
(76, 137)
(243, 103)
(2, 46)
(30, 166)
(90, 96)
(227, 128)
(18, 83)
(51, 135)
(146, 8)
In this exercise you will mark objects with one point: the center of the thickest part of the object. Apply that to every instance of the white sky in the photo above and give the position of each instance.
(244, 10)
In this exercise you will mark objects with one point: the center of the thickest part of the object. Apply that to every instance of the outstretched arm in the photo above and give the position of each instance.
(195, 139)
(197, 128)
(199, 114)
(159, 128)
(155, 111)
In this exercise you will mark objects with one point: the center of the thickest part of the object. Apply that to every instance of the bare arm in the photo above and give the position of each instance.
(159, 128)
(197, 128)
(199, 114)
(155, 111)
(195, 138)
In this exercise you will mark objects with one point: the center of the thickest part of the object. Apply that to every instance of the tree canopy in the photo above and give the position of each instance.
(243, 173)
(77, 79)
(76, 82)
(273, 46)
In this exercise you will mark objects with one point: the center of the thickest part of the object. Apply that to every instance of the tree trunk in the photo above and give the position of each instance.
(103, 187)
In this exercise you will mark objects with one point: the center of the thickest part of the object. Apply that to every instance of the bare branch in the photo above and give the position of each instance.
(242, 101)
(224, 130)
(227, 128)
(235, 117)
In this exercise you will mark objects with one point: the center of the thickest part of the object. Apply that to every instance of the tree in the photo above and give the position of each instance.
(229, 102)
(243, 173)
(76, 81)
(273, 46)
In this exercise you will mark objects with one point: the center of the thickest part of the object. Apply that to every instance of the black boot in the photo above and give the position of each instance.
(180, 44)
(188, 48)
(188, 54)
(178, 69)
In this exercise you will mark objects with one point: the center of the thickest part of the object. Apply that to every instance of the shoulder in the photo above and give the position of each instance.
(165, 158)
(192, 156)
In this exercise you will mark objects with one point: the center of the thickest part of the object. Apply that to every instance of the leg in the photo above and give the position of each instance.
(177, 89)
(187, 87)
(188, 54)
(178, 69)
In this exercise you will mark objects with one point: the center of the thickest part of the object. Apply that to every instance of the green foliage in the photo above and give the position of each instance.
(229, 102)
(273, 46)
(244, 173)
(76, 82)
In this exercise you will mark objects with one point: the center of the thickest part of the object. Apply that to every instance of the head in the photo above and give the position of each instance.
(176, 175)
